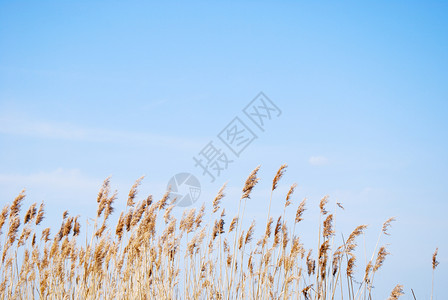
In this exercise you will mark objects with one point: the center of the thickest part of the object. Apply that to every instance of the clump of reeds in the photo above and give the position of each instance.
(149, 254)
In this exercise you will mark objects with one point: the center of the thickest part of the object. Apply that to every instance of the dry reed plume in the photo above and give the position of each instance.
(149, 254)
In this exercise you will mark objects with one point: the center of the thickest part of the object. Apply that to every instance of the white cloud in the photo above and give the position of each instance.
(318, 160)
(58, 178)
(61, 188)
(67, 131)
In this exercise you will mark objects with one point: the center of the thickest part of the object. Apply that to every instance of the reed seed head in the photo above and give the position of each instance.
(278, 176)
(251, 181)
(435, 263)
(396, 292)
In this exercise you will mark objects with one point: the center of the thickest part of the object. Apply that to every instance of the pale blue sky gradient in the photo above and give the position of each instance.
(90, 89)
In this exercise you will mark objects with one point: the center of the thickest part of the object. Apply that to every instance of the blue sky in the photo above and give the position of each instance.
(90, 89)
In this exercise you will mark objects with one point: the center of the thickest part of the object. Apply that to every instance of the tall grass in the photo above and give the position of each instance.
(150, 254)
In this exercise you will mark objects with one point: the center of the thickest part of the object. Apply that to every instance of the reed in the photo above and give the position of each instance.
(149, 254)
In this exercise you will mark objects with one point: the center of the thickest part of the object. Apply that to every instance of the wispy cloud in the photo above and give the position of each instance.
(60, 178)
(318, 160)
(74, 132)
(61, 189)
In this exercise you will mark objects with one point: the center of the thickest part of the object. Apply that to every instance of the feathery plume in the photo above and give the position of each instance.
(30, 213)
(187, 221)
(328, 227)
(322, 204)
(251, 181)
(14, 225)
(200, 216)
(381, 257)
(277, 232)
(337, 256)
(310, 263)
(24, 236)
(387, 224)
(396, 292)
(218, 198)
(369, 267)
(167, 215)
(108, 205)
(45, 235)
(148, 200)
(120, 226)
(128, 219)
(269, 228)
(3, 216)
(133, 192)
(306, 291)
(351, 265)
(67, 227)
(16, 204)
(218, 228)
(104, 190)
(435, 263)
(285, 238)
(300, 211)
(289, 194)
(233, 224)
(250, 233)
(40, 213)
(350, 245)
(278, 176)
(138, 213)
(162, 203)
(76, 227)
(323, 257)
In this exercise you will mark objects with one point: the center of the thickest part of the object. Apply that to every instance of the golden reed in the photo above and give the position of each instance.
(149, 254)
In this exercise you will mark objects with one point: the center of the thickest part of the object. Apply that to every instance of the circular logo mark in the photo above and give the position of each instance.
(185, 188)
